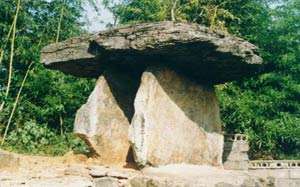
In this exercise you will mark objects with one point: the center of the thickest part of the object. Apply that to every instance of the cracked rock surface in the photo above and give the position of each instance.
(175, 121)
(194, 50)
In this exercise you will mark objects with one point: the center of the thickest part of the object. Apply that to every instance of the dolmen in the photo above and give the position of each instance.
(154, 102)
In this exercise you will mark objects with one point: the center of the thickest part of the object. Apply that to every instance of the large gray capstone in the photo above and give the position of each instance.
(175, 121)
(195, 50)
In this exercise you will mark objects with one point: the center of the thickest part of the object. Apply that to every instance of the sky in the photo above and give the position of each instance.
(96, 21)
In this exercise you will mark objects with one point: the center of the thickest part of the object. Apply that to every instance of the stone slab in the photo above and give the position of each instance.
(295, 174)
(276, 173)
(106, 182)
(287, 183)
(197, 176)
(104, 120)
(175, 121)
(281, 177)
(195, 50)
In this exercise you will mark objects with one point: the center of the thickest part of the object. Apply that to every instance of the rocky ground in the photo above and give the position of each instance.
(80, 171)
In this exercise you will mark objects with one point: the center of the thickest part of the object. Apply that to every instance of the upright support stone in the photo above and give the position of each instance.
(104, 120)
(175, 121)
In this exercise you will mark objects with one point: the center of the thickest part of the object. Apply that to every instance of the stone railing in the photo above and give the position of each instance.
(274, 164)
(281, 173)
(236, 149)
(235, 137)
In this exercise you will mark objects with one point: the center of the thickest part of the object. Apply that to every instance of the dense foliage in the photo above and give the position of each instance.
(40, 105)
(267, 107)
(44, 114)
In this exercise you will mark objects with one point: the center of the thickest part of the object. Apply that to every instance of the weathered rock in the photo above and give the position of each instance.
(74, 181)
(106, 182)
(175, 121)
(201, 54)
(77, 170)
(103, 121)
(98, 172)
(195, 176)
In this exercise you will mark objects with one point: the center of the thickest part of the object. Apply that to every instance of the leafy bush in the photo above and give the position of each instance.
(36, 138)
(273, 134)
(49, 98)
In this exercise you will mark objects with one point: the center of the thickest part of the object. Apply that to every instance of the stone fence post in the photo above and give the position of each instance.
(235, 155)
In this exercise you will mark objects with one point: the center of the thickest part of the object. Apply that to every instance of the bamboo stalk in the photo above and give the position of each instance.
(173, 9)
(59, 23)
(16, 103)
(12, 47)
(61, 122)
(5, 43)
(1, 55)
(8, 34)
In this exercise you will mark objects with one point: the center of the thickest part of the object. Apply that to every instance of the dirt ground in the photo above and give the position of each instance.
(80, 171)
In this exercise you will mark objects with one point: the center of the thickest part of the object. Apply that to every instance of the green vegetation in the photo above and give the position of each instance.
(39, 139)
(266, 107)
(43, 117)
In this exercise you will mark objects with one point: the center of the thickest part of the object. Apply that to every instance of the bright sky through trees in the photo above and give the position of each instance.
(96, 21)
